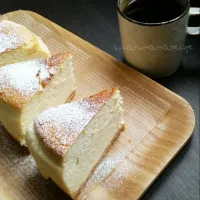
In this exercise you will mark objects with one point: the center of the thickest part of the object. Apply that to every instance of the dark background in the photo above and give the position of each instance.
(96, 22)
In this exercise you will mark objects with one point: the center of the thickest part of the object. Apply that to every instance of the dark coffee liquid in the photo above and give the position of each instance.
(153, 11)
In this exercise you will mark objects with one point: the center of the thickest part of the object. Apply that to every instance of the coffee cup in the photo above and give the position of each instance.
(156, 48)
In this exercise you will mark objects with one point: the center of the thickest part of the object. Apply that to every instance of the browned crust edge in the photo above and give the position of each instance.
(75, 196)
(71, 96)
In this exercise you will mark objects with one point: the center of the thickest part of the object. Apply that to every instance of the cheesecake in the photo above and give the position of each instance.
(17, 44)
(68, 141)
(30, 87)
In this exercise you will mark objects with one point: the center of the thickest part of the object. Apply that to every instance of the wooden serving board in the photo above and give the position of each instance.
(158, 124)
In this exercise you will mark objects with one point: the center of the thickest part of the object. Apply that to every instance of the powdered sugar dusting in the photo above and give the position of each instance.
(20, 81)
(107, 165)
(59, 127)
(105, 168)
(9, 36)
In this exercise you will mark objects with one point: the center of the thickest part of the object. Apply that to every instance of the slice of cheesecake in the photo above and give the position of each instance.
(17, 44)
(68, 141)
(28, 88)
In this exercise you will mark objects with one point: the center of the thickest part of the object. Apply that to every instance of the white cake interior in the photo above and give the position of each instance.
(57, 91)
(28, 51)
(82, 158)
(17, 44)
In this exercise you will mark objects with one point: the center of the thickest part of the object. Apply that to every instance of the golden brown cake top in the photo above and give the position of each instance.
(13, 35)
(60, 126)
(19, 82)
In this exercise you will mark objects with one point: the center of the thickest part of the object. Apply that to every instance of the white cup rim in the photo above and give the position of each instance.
(153, 24)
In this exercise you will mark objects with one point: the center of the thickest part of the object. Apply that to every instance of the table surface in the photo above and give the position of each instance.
(96, 22)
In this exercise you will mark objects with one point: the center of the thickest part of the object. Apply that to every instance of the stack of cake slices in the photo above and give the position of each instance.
(67, 140)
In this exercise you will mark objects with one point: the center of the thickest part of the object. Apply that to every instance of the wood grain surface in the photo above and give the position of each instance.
(169, 121)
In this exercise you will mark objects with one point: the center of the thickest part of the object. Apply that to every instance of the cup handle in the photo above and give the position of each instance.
(194, 30)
